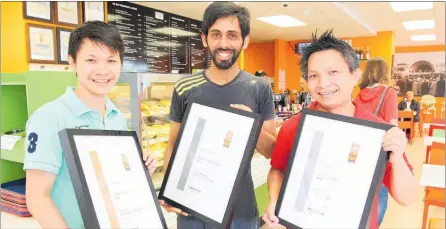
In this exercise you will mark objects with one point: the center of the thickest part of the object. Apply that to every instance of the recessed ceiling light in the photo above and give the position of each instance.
(411, 6)
(424, 37)
(282, 21)
(419, 24)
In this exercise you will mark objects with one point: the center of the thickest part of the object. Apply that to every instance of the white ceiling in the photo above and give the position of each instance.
(348, 19)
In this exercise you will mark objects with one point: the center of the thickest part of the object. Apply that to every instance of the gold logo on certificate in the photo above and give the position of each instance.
(228, 139)
(353, 155)
(125, 161)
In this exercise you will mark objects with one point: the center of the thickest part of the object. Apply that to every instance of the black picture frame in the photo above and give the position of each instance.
(26, 16)
(242, 170)
(59, 49)
(30, 26)
(377, 176)
(77, 175)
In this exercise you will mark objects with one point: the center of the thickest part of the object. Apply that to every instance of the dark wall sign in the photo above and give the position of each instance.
(197, 51)
(156, 37)
(180, 44)
(157, 41)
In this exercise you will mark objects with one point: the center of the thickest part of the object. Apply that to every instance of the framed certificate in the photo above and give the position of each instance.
(332, 178)
(112, 185)
(63, 38)
(94, 11)
(212, 153)
(38, 11)
(67, 13)
(41, 44)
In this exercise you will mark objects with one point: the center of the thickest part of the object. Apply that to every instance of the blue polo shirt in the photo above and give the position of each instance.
(43, 150)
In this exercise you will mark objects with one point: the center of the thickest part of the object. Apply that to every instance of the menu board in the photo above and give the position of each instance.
(127, 19)
(197, 51)
(156, 37)
(179, 49)
(157, 41)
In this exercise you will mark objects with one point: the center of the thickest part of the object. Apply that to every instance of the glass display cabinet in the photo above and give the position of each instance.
(144, 99)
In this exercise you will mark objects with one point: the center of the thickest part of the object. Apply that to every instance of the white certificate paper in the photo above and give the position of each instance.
(68, 12)
(94, 11)
(116, 181)
(41, 43)
(207, 160)
(64, 38)
(331, 174)
(39, 10)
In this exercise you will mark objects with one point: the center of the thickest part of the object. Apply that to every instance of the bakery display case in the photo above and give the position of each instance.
(144, 99)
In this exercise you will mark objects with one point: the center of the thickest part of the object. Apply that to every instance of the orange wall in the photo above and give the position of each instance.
(286, 59)
(427, 48)
(260, 56)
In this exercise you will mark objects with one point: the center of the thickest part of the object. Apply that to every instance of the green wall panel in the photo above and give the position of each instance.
(42, 87)
(11, 171)
(14, 112)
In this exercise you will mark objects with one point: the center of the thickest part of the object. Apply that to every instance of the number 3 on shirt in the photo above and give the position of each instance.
(32, 138)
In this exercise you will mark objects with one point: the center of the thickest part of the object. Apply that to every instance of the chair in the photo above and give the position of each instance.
(405, 122)
(430, 101)
(442, 110)
(437, 144)
(433, 196)
(425, 117)
(436, 223)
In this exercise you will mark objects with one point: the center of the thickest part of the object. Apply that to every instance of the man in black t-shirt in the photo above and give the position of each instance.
(225, 33)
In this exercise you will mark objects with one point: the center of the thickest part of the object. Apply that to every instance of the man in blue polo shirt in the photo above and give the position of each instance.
(95, 52)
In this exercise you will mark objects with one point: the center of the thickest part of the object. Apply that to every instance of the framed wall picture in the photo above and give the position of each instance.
(113, 186)
(63, 38)
(41, 44)
(68, 13)
(39, 11)
(208, 162)
(93, 11)
(331, 179)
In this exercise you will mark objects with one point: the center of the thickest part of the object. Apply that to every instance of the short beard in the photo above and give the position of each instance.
(225, 65)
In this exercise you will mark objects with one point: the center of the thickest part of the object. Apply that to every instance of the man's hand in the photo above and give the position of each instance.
(395, 141)
(269, 217)
(171, 209)
(150, 163)
(241, 107)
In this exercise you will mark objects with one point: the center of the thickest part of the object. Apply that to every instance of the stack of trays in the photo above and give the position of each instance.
(13, 198)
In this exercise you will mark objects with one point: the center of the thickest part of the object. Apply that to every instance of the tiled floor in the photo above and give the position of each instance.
(409, 217)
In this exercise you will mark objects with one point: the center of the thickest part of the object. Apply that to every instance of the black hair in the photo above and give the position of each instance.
(98, 32)
(217, 10)
(326, 42)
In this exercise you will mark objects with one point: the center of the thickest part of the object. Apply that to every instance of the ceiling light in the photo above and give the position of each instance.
(282, 21)
(419, 24)
(411, 6)
(424, 37)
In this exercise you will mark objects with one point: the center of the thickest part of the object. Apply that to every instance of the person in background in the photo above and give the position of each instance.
(331, 69)
(440, 90)
(225, 33)
(95, 53)
(305, 98)
(378, 98)
(410, 104)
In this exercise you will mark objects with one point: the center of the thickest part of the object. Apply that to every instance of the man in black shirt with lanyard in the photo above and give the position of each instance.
(225, 33)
